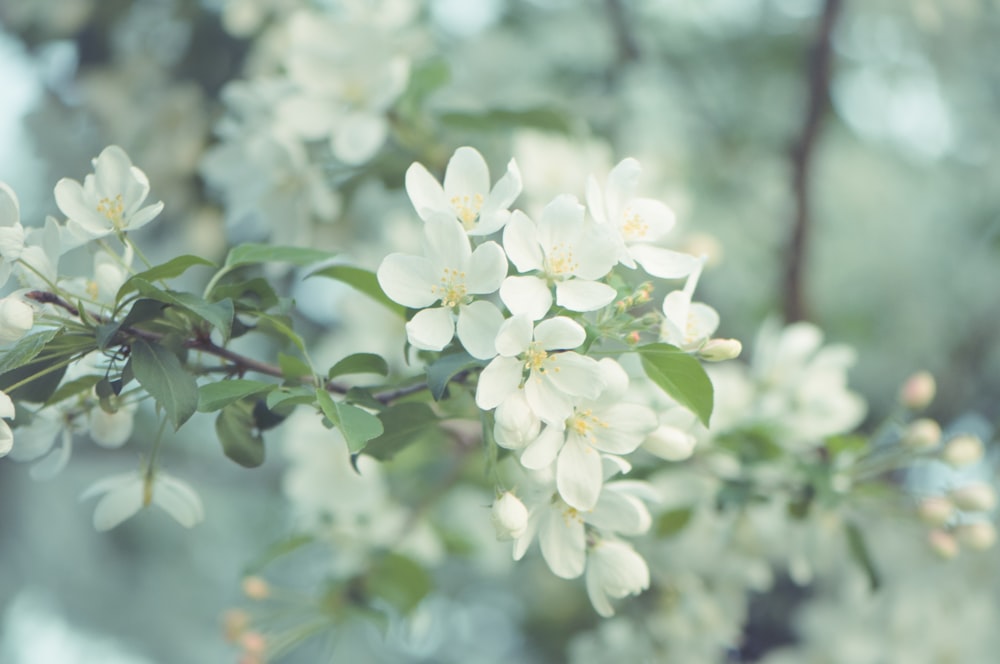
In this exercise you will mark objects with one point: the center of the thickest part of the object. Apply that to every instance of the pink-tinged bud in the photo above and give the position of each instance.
(255, 587)
(922, 435)
(979, 536)
(16, 319)
(935, 511)
(253, 643)
(719, 350)
(918, 391)
(234, 623)
(510, 517)
(975, 497)
(943, 543)
(633, 337)
(963, 450)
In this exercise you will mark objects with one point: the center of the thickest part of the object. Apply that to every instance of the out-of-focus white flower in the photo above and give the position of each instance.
(935, 510)
(963, 450)
(449, 273)
(16, 319)
(975, 497)
(38, 263)
(515, 424)
(637, 223)
(922, 434)
(918, 391)
(614, 570)
(554, 378)
(124, 495)
(978, 535)
(466, 194)
(561, 249)
(11, 231)
(112, 429)
(6, 435)
(686, 324)
(673, 439)
(509, 516)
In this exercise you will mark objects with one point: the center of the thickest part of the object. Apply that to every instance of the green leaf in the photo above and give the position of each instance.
(161, 374)
(447, 367)
(237, 431)
(358, 426)
(281, 328)
(547, 119)
(360, 363)
(846, 444)
(172, 268)
(680, 376)
(251, 254)
(217, 314)
(403, 425)
(74, 387)
(255, 294)
(283, 400)
(36, 381)
(672, 522)
(25, 349)
(213, 396)
(398, 580)
(362, 280)
(293, 368)
(142, 311)
(862, 556)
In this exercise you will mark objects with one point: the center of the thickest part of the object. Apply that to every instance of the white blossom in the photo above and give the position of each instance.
(124, 495)
(16, 319)
(6, 435)
(509, 516)
(686, 324)
(614, 570)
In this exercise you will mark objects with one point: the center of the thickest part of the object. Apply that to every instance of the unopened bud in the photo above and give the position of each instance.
(633, 337)
(980, 536)
(943, 543)
(922, 434)
(963, 450)
(935, 511)
(253, 643)
(670, 443)
(16, 318)
(234, 623)
(718, 350)
(510, 517)
(975, 497)
(918, 391)
(255, 587)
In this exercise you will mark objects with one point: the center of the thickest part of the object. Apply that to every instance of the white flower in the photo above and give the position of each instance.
(109, 200)
(553, 379)
(11, 231)
(563, 250)
(466, 194)
(637, 222)
(449, 273)
(112, 429)
(124, 495)
(614, 570)
(6, 435)
(686, 324)
(673, 439)
(16, 319)
(603, 424)
(38, 262)
(509, 516)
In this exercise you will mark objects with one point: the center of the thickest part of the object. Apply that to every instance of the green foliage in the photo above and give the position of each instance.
(397, 580)
(285, 399)
(680, 376)
(32, 369)
(546, 119)
(358, 426)
(172, 268)
(362, 280)
(25, 349)
(162, 375)
(858, 548)
(213, 396)
(252, 254)
(673, 521)
(217, 314)
(403, 425)
(237, 431)
(440, 373)
(359, 363)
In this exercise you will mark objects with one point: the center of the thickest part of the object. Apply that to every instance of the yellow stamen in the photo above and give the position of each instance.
(113, 210)
(452, 290)
(467, 208)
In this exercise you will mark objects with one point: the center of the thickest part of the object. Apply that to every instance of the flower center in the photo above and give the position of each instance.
(451, 290)
(112, 209)
(536, 357)
(559, 260)
(584, 422)
(467, 208)
(633, 227)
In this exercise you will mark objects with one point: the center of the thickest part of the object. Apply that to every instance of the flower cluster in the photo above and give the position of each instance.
(542, 302)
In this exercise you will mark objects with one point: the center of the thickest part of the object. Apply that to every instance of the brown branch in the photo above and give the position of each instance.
(628, 47)
(802, 151)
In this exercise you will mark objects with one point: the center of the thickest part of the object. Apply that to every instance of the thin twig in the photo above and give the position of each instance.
(818, 73)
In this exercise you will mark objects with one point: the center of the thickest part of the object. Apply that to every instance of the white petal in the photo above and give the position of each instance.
(494, 211)
(73, 203)
(526, 296)
(520, 240)
(113, 171)
(53, 463)
(6, 406)
(623, 180)
(574, 374)
(620, 513)
(446, 245)
(6, 439)
(595, 591)
(178, 499)
(10, 208)
(615, 379)
(359, 137)
(408, 280)
(561, 222)
(578, 473)
(595, 201)
(498, 380)
(515, 424)
(487, 269)
(676, 306)
(663, 263)
(425, 192)
(559, 333)
(670, 443)
(551, 404)
(144, 216)
(466, 175)
(543, 450)
(514, 336)
(703, 319)
(478, 324)
(628, 424)
(431, 329)
(582, 295)
(651, 219)
(522, 543)
(563, 544)
(119, 504)
(110, 430)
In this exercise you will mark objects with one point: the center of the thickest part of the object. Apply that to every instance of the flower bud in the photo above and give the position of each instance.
(510, 517)
(255, 587)
(670, 443)
(516, 424)
(943, 543)
(963, 450)
(918, 391)
(234, 623)
(718, 350)
(922, 434)
(16, 318)
(975, 497)
(935, 511)
(980, 536)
